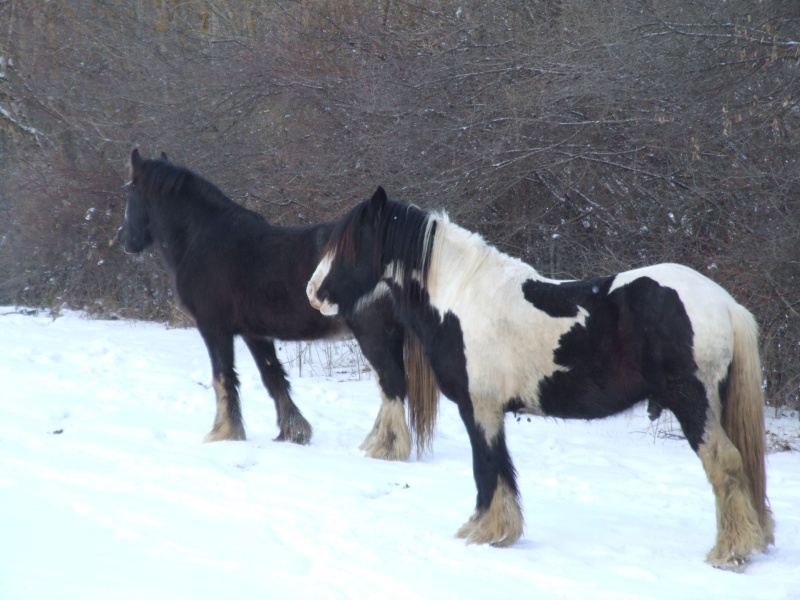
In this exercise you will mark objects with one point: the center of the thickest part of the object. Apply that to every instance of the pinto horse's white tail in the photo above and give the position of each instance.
(423, 393)
(743, 413)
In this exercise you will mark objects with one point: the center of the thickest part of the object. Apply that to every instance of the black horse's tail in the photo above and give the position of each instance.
(423, 393)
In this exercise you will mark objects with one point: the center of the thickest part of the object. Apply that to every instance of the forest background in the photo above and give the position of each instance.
(583, 137)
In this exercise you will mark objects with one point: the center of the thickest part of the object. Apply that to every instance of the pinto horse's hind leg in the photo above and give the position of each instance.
(291, 423)
(498, 517)
(228, 423)
(738, 529)
(381, 340)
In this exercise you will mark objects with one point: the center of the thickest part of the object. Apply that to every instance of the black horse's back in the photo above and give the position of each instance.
(251, 272)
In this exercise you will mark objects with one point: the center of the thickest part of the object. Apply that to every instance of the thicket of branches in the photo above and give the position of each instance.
(584, 137)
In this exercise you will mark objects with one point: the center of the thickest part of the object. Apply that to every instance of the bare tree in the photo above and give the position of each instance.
(583, 137)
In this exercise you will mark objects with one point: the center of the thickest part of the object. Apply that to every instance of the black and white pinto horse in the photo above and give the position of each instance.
(502, 338)
(236, 274)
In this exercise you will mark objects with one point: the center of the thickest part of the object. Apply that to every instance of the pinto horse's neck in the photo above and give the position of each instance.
(465, 266)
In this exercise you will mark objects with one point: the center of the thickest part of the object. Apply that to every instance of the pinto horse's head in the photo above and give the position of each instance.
(350, 268)
(135, 234)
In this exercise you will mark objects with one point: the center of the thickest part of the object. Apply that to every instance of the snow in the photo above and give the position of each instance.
(108, 491)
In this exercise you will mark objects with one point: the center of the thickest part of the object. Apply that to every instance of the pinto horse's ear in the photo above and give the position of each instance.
(378, 201)
(164, 157)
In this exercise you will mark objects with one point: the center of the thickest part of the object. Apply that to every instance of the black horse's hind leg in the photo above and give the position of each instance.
(291, 423)
(381, 339)
(228, 424)
(498, 517)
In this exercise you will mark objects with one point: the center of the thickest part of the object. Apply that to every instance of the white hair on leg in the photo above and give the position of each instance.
(223, 429)
(390, 438)
(500, 525)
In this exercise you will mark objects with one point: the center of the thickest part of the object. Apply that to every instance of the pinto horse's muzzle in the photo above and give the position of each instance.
(311, 292)
(314, 292)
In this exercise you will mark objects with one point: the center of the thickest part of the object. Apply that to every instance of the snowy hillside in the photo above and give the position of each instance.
(108, 492)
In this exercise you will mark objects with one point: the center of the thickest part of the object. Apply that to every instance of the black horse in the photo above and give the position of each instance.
(236, 274)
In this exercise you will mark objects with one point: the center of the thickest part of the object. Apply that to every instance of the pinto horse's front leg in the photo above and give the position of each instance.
(380, 337)
(498, 517)
(228, 423)
(389, 438)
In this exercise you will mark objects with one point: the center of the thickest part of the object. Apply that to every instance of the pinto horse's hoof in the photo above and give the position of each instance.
(393, 448)
(735, 562)
(500, 525)
(386, 444)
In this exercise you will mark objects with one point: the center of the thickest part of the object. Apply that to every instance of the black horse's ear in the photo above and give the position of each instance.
(136, 163)
(378, 201)
(164, 157)
(136, 159)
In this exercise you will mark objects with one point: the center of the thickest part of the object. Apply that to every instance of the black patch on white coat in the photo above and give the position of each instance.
(636, 343)
(564, 299)
(443, 341)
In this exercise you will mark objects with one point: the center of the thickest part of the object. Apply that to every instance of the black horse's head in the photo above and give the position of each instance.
(350, 265)
(135, 234)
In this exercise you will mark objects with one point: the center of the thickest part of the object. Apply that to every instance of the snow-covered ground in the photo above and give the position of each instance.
(108, 492)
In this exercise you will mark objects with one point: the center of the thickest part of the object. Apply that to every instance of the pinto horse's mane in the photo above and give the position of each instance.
(160, 178)
(404, 240)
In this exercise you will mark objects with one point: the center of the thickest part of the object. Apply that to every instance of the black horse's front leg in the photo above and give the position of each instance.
(291, 423)
(228, 423)
(498, 517)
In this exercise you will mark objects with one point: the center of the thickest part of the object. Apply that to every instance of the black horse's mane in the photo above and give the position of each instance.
(160, 178)
(404, 236)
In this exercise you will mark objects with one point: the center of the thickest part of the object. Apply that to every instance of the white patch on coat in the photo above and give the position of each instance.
(319, 275)
(377, 292)
(508, 342)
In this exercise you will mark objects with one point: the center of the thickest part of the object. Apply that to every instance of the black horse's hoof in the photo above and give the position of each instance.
(296, 435)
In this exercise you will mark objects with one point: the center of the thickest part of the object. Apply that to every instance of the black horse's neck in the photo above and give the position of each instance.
(181, 205)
